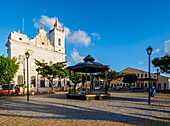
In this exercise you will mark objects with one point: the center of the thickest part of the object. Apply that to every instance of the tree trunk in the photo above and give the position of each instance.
(83, 86)
(52, 85)
(75, 87)
(64, 84)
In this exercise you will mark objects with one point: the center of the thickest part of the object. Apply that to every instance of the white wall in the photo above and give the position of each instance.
(17, 47)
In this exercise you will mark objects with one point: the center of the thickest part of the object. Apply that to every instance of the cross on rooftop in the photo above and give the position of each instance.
(42, 24)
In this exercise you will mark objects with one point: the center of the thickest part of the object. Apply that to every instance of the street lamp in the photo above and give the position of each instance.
(27, 57)
(8, 84)
(149, 51)
(157, 77)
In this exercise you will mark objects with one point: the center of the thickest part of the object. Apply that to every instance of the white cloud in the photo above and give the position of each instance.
(67, 31)
(49, 22)
(156, 51)
(78, 37)
(36, 23)
(76, 57)
(167, 46)
(96, 36)
(140, 63)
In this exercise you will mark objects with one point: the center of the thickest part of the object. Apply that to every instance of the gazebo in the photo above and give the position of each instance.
(89, 66)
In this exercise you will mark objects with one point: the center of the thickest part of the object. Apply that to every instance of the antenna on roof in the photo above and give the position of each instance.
(23, 26)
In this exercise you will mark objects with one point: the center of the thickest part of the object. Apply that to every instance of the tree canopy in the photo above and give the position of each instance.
(75, 78)
(163, 63)
(112, 75)
(56, 70)
(129, 78)
(8, 69)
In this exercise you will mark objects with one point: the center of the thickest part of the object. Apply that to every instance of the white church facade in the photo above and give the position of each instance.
(49, 50)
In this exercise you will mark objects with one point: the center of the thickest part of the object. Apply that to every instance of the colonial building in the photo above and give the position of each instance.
(159, 81)
(42, 48)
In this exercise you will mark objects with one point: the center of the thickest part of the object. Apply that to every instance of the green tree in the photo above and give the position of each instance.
(112, 75)
(130, 78)
(56, 70)
(75, 78)
(163, 63)
(8, 69)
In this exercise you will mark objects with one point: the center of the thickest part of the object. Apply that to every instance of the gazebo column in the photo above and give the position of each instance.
(74, 81)
(90, 83)
(105, 81)
(94, 83)
(99, 82)
(82, 82)
(69, 82)
(86, 80)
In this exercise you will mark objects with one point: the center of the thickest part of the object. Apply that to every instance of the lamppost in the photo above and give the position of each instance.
(8, 84)
(27, 57)
(149, 51)
(157, 77)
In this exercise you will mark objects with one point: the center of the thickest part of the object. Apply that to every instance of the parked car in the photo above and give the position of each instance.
(5, 91)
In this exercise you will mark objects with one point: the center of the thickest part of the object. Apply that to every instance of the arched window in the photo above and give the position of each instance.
(159, 85)
(59, 42)
(42, 82)
(114, 85)
(164, 86)
(59, 83)
(68, 82)
(20, 79)
(33, 81)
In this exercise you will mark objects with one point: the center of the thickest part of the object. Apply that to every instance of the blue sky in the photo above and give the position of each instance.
(115, 32)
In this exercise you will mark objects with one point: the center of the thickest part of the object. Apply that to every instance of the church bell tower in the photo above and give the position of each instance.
(57, 38)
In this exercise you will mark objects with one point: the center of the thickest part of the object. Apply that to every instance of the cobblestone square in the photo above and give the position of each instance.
(54, 109)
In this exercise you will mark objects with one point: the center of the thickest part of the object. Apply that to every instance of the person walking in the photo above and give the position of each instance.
(16, 90)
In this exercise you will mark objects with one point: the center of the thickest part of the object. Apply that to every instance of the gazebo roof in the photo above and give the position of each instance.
(89, 66)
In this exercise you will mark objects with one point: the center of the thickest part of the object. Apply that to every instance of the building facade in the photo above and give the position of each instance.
(49, 50)
(159, 81)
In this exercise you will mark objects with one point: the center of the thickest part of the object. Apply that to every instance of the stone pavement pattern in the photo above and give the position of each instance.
(122, 109)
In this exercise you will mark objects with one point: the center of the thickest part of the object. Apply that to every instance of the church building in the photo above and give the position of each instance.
(45, 49)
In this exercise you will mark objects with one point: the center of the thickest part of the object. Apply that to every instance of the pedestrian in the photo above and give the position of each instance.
(15, 90)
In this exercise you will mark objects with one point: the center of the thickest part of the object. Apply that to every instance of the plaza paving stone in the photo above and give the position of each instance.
(121, 109)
